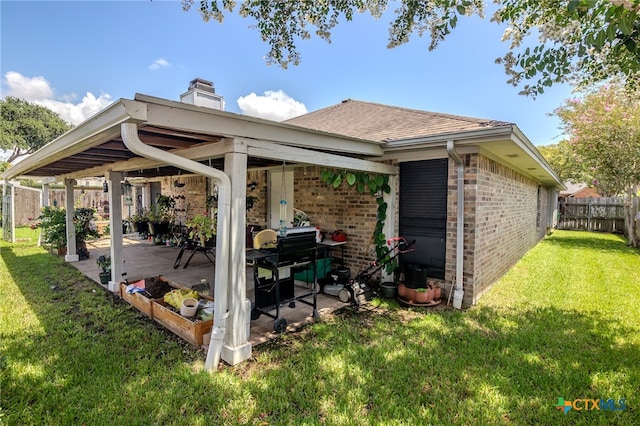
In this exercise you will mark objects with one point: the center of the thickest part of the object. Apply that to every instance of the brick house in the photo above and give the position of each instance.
(578, 190)
(435, 163)
(510, 191)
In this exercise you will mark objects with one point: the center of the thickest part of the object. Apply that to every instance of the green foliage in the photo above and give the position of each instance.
(162, 211)
(54, 225)
(580, 41)
(26, 127)
(375, 185)
(202, 227)
(605, 136)
(104, 263)
(565, 162)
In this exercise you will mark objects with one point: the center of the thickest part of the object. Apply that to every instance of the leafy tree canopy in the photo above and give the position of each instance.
(567, 165)
(579, 41)
(604, 129)
(26, 127)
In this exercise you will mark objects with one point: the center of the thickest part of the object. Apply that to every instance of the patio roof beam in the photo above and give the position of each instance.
(279, 152)
(196, 153)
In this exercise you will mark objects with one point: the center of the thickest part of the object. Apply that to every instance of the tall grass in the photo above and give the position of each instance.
(562, 323)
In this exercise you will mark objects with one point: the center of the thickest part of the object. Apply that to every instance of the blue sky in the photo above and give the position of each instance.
(76, 57)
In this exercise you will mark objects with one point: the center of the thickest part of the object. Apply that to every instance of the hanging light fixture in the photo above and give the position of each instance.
(126, 187)
(105, 186)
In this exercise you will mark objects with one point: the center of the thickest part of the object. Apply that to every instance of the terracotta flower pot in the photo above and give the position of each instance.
(430, 294)
(402, 290)
(410, 294)
(437, 292)
(422, 295)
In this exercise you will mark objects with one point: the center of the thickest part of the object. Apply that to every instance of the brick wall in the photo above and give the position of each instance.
(190, 199)
(505, 215)
(342, 208)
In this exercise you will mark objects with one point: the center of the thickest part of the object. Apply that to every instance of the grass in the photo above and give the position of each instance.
(562, 323)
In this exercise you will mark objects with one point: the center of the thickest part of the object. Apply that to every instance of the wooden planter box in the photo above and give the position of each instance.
(142, 303)
(190, 330)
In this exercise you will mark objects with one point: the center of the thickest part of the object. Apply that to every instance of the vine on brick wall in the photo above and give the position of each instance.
(376, 185)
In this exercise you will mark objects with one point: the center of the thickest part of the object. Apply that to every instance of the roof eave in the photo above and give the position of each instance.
(509, 132)
(92, 132)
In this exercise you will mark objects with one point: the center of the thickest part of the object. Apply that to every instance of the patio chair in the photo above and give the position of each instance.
(209, 248)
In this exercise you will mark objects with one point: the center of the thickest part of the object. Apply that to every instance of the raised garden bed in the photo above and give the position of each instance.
(191, 330)
(151, 304)
(156, 287)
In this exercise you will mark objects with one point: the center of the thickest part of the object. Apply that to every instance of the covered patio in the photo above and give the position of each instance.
(141, 257)
(151, 137)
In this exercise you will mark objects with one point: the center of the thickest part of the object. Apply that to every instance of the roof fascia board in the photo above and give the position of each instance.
(432, 153)
(525, 144)
(511, 133)
(490, 133)
(172, 114)
(273, 151)
(101, 127)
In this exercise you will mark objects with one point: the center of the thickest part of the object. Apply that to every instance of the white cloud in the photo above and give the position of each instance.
(273, 105)
(37, 90)
(27, 88)
(159, 63)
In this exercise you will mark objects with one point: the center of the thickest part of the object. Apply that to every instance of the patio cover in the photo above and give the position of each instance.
(130, 136)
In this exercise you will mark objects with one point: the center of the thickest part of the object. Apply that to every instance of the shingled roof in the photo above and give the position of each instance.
(377, 122)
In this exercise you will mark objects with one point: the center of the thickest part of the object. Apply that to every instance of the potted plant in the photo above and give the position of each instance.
(85, 226)
(54, 228)
(422, 295)
(160, 216)
(202, 228)
(104, 263)
(140, 223)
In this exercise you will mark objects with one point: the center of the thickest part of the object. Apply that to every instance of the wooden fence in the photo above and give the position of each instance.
(592, 214)
(28, 203)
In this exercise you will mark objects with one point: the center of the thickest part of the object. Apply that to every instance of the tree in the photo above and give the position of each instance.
(580, 41)
(26, 127)
(604, 130)
(562, 158)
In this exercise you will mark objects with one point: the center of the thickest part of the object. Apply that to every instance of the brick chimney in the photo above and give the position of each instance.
(202, 93)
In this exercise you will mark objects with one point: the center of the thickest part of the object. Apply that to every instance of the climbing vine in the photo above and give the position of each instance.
(376, 185)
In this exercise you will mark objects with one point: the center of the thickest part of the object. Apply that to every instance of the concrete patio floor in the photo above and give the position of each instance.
(143, 259)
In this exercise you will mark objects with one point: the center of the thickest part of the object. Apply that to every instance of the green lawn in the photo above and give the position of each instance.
(562, 323)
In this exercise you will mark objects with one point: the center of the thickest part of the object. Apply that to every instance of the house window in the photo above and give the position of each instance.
(538, 210)
(423, 212)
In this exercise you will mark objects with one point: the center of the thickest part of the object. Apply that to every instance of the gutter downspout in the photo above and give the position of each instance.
(132, 141)
(459, 290)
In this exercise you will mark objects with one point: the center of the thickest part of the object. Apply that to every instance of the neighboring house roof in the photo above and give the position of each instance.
(578, 190)
(410, 135)
(379, 122)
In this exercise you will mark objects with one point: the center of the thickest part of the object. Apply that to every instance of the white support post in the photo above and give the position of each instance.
(44, 199)
(115, 225)
(72, 248)
(44, 202)
(236, 342)
(389, 228)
